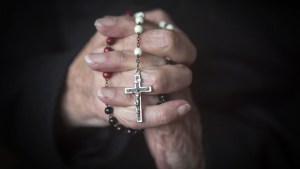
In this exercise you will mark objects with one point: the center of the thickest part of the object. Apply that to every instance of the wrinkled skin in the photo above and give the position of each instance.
(172, 129)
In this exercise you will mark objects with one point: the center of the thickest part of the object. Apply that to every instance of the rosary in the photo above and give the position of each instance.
(138, 89)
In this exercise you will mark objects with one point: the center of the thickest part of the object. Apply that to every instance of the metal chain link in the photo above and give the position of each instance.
(138, 56)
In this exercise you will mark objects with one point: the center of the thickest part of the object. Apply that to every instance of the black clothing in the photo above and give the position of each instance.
(244, 84)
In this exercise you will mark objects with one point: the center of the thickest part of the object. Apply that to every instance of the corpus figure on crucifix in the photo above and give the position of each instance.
(137, 90)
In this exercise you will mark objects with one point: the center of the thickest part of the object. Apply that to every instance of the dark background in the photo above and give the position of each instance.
(245, 78)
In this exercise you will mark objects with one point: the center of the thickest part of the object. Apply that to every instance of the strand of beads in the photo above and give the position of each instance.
(106, 75)
(113, 121)
(138, 29)
(163, 24)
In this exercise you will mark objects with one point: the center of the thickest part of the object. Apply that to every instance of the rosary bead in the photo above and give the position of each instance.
(170, 27)
(110, 40)
(162, 99)
(138, 131)
(107, 49)
(130, 131)
(120, 128)
(162, 24)
(139, 14)
(138, 52)
(112, 121)
(108, 110)
(128, 13)
(139, 20)
(138, 29)
(107, 75)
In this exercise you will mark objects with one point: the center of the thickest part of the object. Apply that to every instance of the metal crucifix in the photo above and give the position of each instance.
(137, 90)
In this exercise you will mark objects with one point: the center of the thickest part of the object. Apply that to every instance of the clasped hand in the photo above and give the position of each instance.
(172, 129)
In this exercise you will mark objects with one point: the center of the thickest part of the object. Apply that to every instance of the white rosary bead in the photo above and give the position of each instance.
(170, 27)
(139, 20)
(162, 24)
(138, 52)
(138, 29)
(139, 14)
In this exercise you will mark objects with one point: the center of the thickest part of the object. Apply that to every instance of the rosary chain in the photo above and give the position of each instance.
(138, 56)
(109, 110)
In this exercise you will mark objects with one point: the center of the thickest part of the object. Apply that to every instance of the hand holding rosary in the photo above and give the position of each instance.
(138, 89)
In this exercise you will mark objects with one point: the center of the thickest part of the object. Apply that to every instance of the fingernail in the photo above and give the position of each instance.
(107, 92)
(106, 21)
(95, 58)
(88, 59)
(183, 109)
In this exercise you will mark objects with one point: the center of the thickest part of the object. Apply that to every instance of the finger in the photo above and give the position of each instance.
(163, 43)
(163, 79)
(159, 42)
(117, 61)
(158, 15)
(153, 116)
(161, 18)
(115, 96)
(119, 26)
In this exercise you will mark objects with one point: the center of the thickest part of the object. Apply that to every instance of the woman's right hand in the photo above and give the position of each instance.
(85, 84)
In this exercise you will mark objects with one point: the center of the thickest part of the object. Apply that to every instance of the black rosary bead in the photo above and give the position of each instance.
(120, 128)
(130, 131)
(108, 110)
(162, 99)
(112, 120)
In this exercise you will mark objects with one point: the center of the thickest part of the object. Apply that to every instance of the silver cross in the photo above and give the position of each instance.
(137, 91)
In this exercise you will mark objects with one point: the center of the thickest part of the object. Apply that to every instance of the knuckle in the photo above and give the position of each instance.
(125, 25)
(161, 118)
(171, 40)
(187, 74)
(159, 81)
(122, 57)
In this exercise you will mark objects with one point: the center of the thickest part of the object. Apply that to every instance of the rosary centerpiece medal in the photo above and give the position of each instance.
(138, 89)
